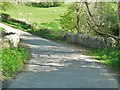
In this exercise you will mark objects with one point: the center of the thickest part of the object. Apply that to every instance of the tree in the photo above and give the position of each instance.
(73, 19)
(101, 19)
(77, 8)
(119, 17)
(97, 27)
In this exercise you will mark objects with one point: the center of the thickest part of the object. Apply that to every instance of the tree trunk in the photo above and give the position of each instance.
(119, 23)
(119, 17)
(78, 17)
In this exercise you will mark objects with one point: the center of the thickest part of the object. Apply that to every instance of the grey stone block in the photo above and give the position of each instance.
(111, 42)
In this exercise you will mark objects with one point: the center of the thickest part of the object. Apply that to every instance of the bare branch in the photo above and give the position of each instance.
(98, 30)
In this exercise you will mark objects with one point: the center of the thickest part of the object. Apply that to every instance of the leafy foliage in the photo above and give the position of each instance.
(4, 5)
(106, 17)
(13, 60)
(104, 14)
(68, 20)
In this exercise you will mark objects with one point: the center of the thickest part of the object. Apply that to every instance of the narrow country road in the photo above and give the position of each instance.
(55, 65)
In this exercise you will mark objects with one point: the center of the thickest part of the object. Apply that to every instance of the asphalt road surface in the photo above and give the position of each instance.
(56, 65)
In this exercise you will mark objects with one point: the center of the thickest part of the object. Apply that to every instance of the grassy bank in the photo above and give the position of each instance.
(13, 60)
(44, 32)
(1, 57)
(109, 57)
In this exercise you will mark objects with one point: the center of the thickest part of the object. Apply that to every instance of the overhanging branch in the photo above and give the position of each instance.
(95, 25)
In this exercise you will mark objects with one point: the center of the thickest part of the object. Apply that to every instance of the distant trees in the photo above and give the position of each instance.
(50, 3)
(37, 3)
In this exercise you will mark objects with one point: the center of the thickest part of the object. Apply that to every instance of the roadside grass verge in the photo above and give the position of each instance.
(13, 60)
(108, 56)
(1, 57)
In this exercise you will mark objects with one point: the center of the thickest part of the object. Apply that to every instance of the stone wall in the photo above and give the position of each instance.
(95, 42)
(7, 17)
(8, 39)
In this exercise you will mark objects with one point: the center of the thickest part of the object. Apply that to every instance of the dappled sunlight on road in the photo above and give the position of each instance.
(56, 65)
(62, 61)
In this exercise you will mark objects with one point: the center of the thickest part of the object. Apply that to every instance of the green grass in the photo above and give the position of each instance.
(109, 57)
(1, 57)
(38, 15)
(42, 18)
(1, 29)
(0, 60)
(13, 60)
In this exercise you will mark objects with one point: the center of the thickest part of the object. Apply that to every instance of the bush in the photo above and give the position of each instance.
(13, 60)
(68, 20)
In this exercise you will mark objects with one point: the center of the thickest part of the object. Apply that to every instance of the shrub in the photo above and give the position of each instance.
(13, 60)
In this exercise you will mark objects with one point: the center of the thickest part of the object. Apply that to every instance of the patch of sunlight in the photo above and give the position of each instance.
(92, 60)
(90, 66)
(107, 74)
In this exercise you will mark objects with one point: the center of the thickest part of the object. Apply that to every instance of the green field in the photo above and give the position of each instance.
(46, 18)
(36, 14)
